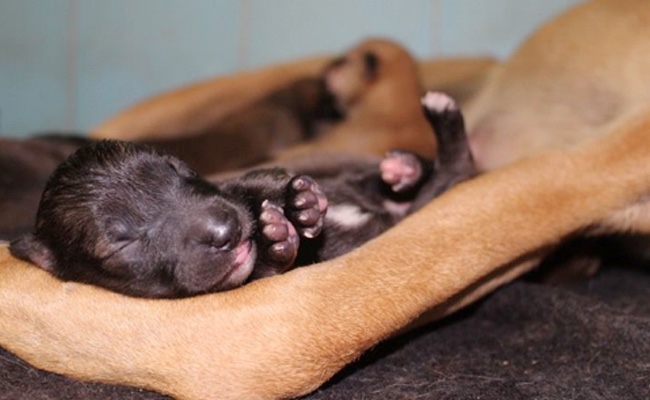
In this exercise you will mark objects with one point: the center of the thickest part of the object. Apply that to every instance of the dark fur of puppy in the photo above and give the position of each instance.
(124, 217)
(282, 118)
(366, 199)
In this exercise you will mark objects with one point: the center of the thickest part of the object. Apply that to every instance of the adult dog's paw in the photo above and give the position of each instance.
(306, 206)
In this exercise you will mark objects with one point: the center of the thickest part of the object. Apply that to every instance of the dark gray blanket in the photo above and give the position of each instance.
(589, 340)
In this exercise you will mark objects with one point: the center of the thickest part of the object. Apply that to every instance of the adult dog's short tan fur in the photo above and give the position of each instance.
(252, 343)
(569, 81)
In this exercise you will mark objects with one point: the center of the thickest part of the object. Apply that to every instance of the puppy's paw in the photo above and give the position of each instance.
(401, 170)
(306, 206)
(438, 102)
(441, 110)
(279, 238)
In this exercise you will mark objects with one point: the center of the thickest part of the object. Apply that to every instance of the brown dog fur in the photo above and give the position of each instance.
(569, 81)
(573, 79)
(252, 343)
(381, 113)
(461, 78)
(383, 117)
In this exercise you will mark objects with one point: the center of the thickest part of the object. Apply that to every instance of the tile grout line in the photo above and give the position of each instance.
(71, 73)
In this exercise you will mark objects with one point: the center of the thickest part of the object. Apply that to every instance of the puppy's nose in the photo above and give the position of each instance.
(225, 230)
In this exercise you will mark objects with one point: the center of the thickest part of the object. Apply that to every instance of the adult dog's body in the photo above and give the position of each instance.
(571, 80)
(253, 343)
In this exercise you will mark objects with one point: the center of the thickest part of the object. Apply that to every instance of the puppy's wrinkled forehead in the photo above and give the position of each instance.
(116, 182)
(116, 170)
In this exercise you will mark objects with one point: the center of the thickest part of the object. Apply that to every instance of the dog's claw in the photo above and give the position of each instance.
(306, 206)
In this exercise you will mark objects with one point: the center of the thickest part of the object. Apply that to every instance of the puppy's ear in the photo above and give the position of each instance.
(371, 63)
(29, 248)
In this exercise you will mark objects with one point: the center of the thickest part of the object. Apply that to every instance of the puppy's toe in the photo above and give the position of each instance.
(306, 206)
(273, 223)
(283, 253)
(401, 170)
(279, 238)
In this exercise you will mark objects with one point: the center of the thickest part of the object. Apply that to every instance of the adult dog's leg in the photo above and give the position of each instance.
(285, 335)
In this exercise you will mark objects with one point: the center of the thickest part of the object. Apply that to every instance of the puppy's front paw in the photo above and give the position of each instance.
(306, 206)
(401, 170)
(279, 238)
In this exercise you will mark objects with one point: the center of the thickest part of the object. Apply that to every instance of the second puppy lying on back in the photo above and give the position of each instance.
(123, 217)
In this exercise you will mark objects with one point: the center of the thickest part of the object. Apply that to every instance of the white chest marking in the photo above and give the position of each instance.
(347, 216)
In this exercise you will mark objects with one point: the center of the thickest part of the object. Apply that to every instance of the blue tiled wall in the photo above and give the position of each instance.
(69, 64)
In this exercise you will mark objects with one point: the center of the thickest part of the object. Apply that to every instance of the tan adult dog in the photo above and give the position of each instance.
(253, 343)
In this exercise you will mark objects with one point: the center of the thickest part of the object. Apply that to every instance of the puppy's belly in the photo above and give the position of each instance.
(347, 215)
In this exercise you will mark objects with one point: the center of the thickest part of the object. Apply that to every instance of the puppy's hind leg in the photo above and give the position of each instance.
(447, 121)
(404, 170)
(454, 162)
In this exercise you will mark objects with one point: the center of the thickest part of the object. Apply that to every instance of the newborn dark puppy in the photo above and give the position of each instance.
(124, 217)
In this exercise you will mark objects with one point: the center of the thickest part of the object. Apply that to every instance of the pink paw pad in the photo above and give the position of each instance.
(279, 233)
(438, 101)
(306, 206)
(400, 170)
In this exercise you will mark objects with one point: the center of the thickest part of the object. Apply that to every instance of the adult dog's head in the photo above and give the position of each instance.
(121, 216)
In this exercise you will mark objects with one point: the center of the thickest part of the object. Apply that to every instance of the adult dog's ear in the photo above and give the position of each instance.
(29, 248)
(371, 63)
